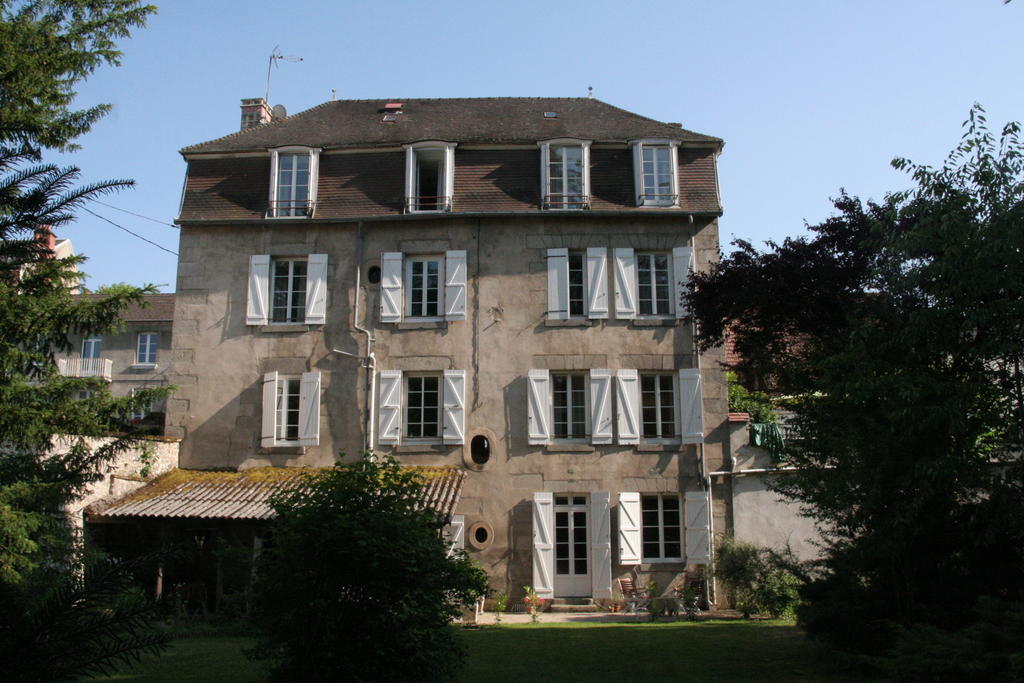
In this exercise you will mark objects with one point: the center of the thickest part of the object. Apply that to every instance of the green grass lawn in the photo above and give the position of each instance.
(713, 650)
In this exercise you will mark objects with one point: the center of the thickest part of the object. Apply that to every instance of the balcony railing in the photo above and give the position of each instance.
(659, 199)
(425, 203)
(85, 367)
(292, 207)
(576, 202)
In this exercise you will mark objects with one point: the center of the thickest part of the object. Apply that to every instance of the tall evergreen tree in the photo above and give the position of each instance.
(56, 620)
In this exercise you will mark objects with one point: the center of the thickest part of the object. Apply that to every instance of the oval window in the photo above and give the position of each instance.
(373, 275)
(480, 449)
(480, 535)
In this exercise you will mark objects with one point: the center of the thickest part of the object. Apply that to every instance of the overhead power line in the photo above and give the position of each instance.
(139, 215)
(134, 234)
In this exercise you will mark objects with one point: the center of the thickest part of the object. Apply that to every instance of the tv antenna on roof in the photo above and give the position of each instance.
(276, 57)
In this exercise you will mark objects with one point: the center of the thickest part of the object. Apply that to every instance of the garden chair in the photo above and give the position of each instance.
(636, 599)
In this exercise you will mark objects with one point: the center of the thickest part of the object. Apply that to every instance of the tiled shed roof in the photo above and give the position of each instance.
(245, 495)
(360, 123)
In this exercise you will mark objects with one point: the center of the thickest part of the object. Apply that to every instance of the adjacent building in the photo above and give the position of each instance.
(136, 356)
(489, 284)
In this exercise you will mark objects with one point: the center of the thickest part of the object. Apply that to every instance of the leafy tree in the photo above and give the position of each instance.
(357, 584)
(47, 452)
(900, 325)
(757, 404)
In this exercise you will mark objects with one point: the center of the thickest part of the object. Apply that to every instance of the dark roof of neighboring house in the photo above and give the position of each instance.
(160, 308)
(245, 495)
(359, 123)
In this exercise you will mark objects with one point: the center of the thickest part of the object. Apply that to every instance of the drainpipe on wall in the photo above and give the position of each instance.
(710, 588)
(369, 361)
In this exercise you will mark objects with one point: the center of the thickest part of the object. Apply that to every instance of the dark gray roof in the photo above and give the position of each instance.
(359, 123)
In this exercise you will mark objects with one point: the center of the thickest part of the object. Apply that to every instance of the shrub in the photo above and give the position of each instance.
(756, 580)
(357, 583)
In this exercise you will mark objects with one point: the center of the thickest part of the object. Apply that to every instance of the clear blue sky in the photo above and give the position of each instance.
(809, 96)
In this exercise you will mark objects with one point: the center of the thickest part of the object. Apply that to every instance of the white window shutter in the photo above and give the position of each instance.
(600, 545)
(391, 287)
(454, 405)
(257, 308)
(627, 384)
(455, 285)
(390, 407)
(538, 384)
(601, 406)
(558, 284)
(698, 550)
(597, 282)
(455, 533)
(629, 527)
(625, 284)
(268, 432)
(682, 267)
(316, 289)
(309, 409)
(543, 544)
(691, 406)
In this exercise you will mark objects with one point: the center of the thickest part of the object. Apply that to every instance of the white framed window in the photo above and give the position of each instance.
(142, 412)
(659, 407)
(654, 283)
(92, 347)
(569, 406)
(565, 174)
(287, 290)
(421, 407)
(577, 283)
(424, 294)
(422, 287)
(655, 173)
(429, 176)
(294, 174)
(291, 409)
(662, 527)
(651, 284)
(145, 348)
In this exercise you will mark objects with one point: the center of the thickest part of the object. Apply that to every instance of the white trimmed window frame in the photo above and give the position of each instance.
(146, 354)
(290, 308)
(446, 177)
(548, 201)
(673, 381)
(438, 408)
(273, 211)
(92, 347)
(414, 295)
(584, 378)
(284, 390)
(644, 195)
(661, 526)
(652, 287)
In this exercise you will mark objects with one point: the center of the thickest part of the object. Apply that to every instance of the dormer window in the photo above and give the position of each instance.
(655, 168)
(565, 174)
(293, 181)
(429, 176)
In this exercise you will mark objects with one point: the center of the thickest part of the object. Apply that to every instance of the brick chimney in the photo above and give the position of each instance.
(45, 237)
(255, 112)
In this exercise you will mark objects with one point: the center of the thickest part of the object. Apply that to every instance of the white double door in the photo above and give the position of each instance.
(571, 545)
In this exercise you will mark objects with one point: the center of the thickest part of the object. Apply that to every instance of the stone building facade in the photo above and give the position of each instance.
(491, 284)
